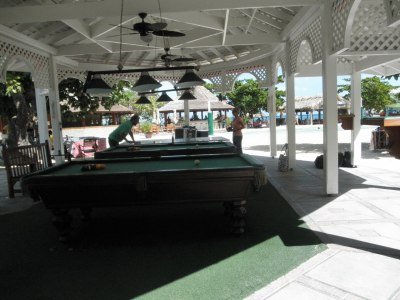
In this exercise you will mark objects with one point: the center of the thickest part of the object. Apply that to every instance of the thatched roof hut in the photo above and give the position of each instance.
(117, 108)
(200, 104)
(311, 103)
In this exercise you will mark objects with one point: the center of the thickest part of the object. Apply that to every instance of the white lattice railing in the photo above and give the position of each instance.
(38, 63)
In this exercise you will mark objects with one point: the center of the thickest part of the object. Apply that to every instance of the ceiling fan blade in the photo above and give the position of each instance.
(184, 59)
(130, 28)
(157, 26)
(168, 33)
(121, 34)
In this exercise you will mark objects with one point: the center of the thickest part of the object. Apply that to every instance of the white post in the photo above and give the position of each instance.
(186, 108)
(55, 112)
(331, 170)
(290, 120)
(356, 110)
(272, 119)
(41, 115)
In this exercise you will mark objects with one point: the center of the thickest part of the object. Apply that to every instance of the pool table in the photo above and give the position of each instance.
(226, 178)
(166, 149)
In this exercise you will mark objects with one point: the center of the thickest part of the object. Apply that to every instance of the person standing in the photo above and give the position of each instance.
(237, 126)
(122, 131)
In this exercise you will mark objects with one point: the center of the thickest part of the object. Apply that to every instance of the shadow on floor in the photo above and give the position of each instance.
(167, 252)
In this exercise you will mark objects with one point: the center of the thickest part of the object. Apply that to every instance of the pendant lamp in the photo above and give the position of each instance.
(96, 85)
(145, 83)
(187, 95)
(189, 79)
(164, 98)
(143, 100)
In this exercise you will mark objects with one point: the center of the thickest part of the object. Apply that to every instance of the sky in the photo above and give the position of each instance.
(312, 86)
(304, 86)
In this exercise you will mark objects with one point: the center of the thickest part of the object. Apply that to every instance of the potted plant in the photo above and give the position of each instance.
(146, 128)
(347, 121)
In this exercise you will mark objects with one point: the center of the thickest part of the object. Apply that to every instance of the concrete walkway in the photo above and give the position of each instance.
(361, 225)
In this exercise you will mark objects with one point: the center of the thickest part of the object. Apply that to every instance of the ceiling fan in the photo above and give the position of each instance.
(147, 30)
(169, 58)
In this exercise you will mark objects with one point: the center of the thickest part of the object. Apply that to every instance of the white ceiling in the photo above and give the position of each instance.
(86, 32)
(219, 33)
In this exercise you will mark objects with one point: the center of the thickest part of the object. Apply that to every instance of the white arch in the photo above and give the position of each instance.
(11, 59)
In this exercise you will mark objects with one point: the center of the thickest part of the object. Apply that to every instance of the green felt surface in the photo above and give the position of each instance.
(157, 165)
(161, 147)
(175, 252)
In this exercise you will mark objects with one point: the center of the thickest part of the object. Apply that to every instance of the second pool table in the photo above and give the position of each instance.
(166, 149)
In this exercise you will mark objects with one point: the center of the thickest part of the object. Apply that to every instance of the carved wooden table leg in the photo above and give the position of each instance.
(62, 222)
(86, 212)
(237, 217)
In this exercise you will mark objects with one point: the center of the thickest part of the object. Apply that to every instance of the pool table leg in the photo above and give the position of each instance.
(62, 222)
(86, 212)
(237, 212)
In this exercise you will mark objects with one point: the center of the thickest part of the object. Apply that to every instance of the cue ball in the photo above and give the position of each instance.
(197, 162)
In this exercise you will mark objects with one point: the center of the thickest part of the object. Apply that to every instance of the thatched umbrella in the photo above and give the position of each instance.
(315, 103)
(200, 104)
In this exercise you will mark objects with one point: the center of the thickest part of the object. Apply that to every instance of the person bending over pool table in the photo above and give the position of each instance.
(122, 131)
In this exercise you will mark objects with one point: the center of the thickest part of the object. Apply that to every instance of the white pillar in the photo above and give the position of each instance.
(356, 110)
(41, 114)
(331, 170)
(55, 112)
(290, 120)
(272, 119)
(186, 108)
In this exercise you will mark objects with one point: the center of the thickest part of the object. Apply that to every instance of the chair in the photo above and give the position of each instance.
(23, 160)
(89, 147)
(170, 127)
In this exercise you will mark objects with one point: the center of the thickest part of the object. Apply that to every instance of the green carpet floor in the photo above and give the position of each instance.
(167, 252)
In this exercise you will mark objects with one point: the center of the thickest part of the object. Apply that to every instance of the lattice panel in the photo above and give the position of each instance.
(112, 79)
(261, 75)
(215, 78)
(340, 14)
(392, 12)
(70, 73)
(39, 63)
(304, 57)
(370, 31)
(313, 34)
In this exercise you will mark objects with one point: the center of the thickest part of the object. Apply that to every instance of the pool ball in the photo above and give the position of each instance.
(197, 162)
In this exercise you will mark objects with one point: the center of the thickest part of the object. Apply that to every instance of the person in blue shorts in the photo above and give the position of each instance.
(122, 131)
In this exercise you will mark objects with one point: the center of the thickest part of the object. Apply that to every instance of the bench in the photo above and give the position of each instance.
(23, 160)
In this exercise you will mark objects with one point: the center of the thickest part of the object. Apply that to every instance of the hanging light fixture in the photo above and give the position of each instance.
(164, 98)
(95, 85)
(145, 83)
(187, 95)
(190, 78)
(147, 38)
(143, 100)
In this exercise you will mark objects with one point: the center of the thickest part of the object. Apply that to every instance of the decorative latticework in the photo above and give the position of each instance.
(112, 79)
(392, 12)
(313, 34)
(304, 56)
(370, 31)
(340, 14)
(224, 80)
(38, 63)
(70, 73)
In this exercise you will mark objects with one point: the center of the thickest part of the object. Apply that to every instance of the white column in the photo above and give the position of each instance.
(356, 110)
(290, 120)
(186, 108)
(272, 119)
(55, 112)
(331, 170)
(41, 114)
